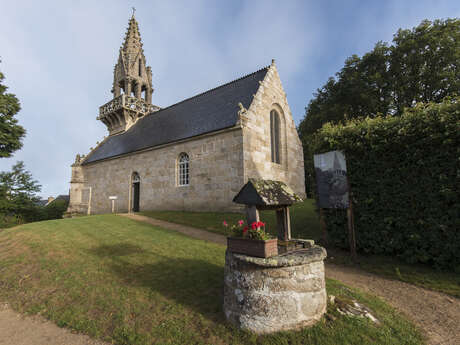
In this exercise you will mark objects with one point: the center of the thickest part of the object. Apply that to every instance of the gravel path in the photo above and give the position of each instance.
(17, 329)
(434, 312)
(437, 314)
(187, 230)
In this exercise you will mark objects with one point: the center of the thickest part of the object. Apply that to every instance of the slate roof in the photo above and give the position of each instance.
(260, 192)
(207, 112)
(66, 198)
(41, 202)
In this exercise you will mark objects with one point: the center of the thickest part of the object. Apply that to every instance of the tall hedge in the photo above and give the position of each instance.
(404, 174)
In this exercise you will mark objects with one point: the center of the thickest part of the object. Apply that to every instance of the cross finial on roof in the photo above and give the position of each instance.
(134, 10)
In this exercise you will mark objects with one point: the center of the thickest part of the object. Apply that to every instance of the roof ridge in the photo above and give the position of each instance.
(213, 89)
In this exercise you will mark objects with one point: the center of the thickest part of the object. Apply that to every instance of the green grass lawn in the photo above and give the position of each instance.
(305, 224)
(128, 282)
(304, 221)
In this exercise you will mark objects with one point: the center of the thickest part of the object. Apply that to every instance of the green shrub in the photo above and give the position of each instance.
(404, 172)
(56, 209)
(8, 221)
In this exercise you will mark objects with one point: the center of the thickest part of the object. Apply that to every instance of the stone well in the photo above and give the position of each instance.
(284, 292)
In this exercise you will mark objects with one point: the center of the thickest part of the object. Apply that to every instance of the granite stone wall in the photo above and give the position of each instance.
(220, 164)
(216, 175)
(275, 294)
(257, 141)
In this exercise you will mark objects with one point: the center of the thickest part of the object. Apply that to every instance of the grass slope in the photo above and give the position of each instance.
(131, 283)
(305, 224)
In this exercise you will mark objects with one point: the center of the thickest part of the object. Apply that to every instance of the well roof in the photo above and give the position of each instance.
(260, 192)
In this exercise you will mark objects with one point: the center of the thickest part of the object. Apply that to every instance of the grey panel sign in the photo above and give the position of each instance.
(331, 179)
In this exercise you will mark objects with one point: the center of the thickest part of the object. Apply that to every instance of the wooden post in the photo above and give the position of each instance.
(322, 222)
(284, 224)
(351, 225)
(89, 202)
(287, 222)
(252, 214)
(280, 224)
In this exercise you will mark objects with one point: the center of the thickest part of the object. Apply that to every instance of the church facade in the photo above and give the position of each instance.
(194, 155)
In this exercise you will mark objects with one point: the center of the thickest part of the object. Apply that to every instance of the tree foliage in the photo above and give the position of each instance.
(404, 173)
(10, 132)
(18, 193)
(422, 65)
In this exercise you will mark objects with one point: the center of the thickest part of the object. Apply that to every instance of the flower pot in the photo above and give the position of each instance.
(259, 248)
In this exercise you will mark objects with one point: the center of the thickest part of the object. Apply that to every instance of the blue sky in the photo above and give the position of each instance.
(58, 57)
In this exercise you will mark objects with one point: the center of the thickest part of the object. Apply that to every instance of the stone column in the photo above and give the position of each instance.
(116, 91)
(77, 183)
(138, 90)
(128, 87)
(148, 95)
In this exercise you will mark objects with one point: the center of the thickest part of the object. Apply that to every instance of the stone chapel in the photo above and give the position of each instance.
(194, 155)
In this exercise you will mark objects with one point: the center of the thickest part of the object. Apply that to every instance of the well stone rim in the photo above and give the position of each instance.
(297, 258)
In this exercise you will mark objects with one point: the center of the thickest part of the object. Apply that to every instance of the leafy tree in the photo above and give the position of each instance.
(10, 132)
(422, 65)
(18, 193)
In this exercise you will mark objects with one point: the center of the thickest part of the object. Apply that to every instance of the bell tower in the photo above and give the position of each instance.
(132, 85)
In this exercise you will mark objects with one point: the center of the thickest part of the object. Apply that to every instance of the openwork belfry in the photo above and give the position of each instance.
(132, 85)
(193, 155)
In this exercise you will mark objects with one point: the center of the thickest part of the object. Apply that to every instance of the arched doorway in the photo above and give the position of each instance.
(136, 191)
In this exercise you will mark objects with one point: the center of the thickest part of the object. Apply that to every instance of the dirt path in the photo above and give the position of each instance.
(187, 230)
(435, 313)
(16, 329)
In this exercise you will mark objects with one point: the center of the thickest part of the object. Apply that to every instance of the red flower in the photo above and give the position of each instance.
(240, 222)
(254, 225)
(245, 230)
(225, 223)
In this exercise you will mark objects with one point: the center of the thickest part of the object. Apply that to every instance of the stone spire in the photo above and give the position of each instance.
(132, 44)
(132, 85)
(132, 75)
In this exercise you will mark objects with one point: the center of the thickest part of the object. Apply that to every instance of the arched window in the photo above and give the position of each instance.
(136, 188)
(136, 177)
(184, 177)
(275, 136)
